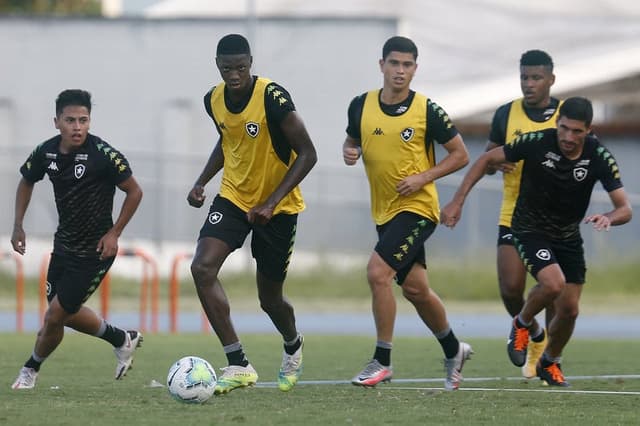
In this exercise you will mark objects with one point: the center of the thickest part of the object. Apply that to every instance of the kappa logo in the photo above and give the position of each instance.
(48, 288)
(550, 164)
(53, 166)
(543, 254)
(252, 128)
(377, 131)
(215, 218)
(407, 134)
(579, 173)
(78, 170)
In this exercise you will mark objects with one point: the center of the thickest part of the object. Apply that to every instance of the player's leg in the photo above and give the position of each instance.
(224, 230)
(416, 289)
(272, 246)
(383, 305)
(542, 265)
(512, 278)
(570, 256)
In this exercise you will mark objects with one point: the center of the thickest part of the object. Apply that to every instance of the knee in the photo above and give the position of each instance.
(568, 312)
(203, 274)
(55, 317)
(377, 276)
(414, 294)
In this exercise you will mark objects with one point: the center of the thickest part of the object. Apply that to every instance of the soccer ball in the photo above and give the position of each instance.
(191, 379)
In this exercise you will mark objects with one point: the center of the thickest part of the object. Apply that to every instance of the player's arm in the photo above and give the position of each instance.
(450, 214)
(214, 164)
(298, 138)
(620, 214)
(457, 157)
(498, 137)
(351, 151)
(23, 198)
(108, 244)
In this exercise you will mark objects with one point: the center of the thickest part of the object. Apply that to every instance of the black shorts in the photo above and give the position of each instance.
(74, 279)
(505, 236)
(271, 244)
(401, 242)
(537, 251)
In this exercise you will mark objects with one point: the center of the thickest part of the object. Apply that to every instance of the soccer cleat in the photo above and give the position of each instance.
(454, 366)
(551, 374)
(124, 354)
(26, 379)
(534, 352)
(517, 344)
(235, 376)
(291, 368)
(373, 374)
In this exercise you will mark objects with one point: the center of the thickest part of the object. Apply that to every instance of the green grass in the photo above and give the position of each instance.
(76, 385)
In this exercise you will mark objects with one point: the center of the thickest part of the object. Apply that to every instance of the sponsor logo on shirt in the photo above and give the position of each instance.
(550, 164)
(53, 166)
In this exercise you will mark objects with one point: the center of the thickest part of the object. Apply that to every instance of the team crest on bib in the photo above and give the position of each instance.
(579, 173)
(78, 170)
(407, 134)
(252, 128)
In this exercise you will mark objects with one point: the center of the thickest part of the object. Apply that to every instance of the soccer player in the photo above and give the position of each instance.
(536, 110)
(560, 168)
(265, 151)
(84, 171)
(394, 130)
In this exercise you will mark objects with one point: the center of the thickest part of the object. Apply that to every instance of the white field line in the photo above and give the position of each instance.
(547, 389)
(479, 379)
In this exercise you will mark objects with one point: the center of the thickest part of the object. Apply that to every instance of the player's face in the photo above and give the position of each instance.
(73, 124)
(535, 83)
(235, 70)
(571, 135)
(398, 69)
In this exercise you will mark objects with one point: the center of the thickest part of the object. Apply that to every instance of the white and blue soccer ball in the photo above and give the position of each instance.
(191, 379)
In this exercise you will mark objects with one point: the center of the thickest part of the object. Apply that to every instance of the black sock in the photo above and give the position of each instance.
(383, 356)
(237, 358)
(450, 345)
(32, 363)
(291, 349)
(538, 338)
(113, 335)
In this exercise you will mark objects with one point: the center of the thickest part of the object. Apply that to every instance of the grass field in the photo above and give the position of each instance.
(76, 385)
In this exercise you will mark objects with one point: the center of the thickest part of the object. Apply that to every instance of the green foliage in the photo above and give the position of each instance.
(51, 7)
(76, 385)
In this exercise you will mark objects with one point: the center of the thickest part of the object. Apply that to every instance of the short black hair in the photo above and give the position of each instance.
(75, 97)
(536, 57)
(577, 108)
(399, 44)
(233, 44)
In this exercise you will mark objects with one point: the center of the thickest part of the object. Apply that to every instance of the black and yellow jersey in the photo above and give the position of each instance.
(84, 184)
(397, 141)
(256, 152)
(555, 191)
(510, 121)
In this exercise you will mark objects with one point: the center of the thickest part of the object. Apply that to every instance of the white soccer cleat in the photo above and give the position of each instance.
(291, 369)
(124, 354)
(373, 373)
(26, 379)
(454, 366)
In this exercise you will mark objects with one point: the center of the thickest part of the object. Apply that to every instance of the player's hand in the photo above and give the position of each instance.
(108, 245)
(351, 155)
(505, 167)
(260, 215)
(410, 184)
(450, 214)
(18, 240)
(600, 222)
(196, 196)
